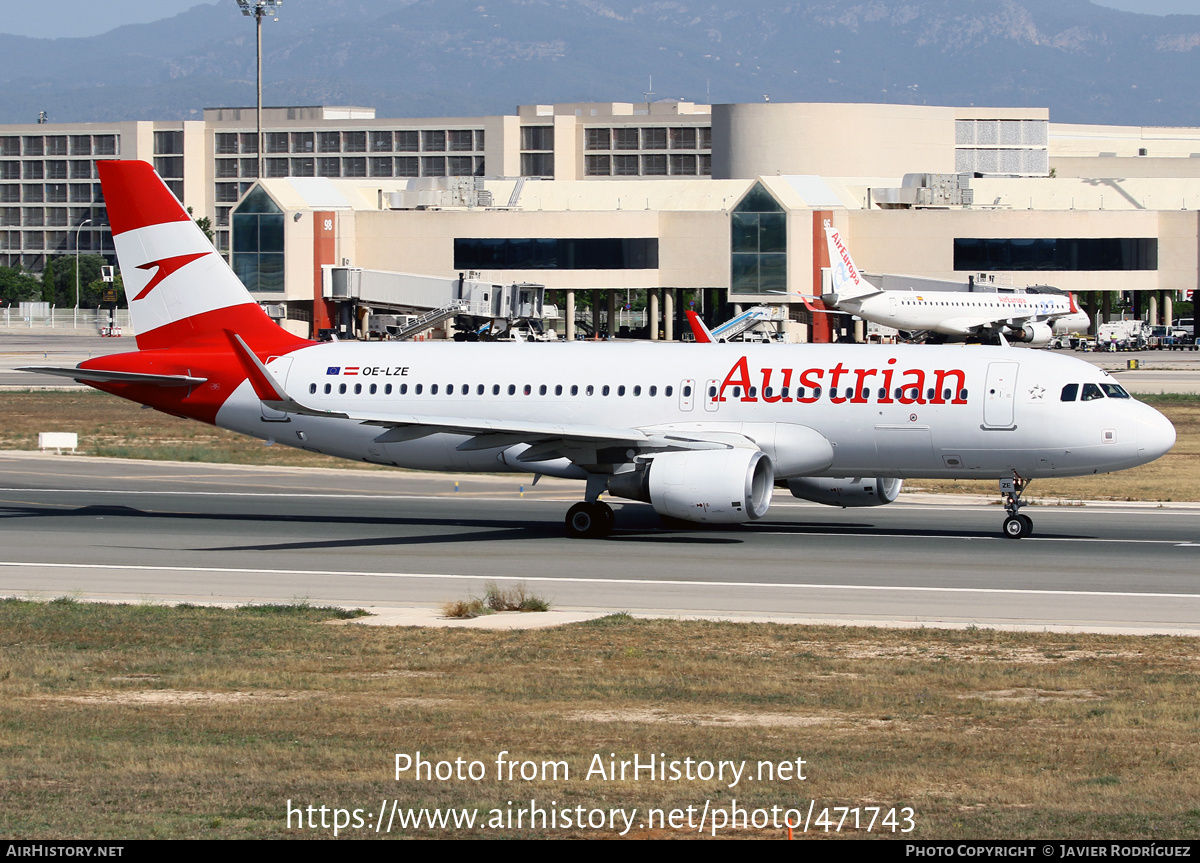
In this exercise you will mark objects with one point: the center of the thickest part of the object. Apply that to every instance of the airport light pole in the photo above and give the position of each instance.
(79, 227)
(257, 10)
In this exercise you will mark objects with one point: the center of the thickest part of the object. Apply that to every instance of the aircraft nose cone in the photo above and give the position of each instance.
(1155, 435)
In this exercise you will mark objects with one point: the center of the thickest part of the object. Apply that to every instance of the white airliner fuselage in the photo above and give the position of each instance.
(899, 411)
(702, 433)
(1031, 318)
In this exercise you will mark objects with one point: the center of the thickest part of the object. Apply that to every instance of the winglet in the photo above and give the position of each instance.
(810, 303)
(699, 330)
(262, 381)
(265, 387)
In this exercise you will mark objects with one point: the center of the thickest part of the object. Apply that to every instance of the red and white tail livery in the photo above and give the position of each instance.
(178, 286)
(700, 434)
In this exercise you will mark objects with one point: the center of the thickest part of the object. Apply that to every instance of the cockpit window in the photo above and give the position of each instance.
(1070, 392)
(1090, 392)
(1114, 391)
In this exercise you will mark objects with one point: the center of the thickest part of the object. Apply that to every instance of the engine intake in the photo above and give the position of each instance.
(1036, 333)
(725, 486)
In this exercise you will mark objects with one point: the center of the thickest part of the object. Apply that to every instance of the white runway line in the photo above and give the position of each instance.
(620, 581)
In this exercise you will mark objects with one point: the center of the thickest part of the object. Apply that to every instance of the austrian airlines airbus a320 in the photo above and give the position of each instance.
(703, 434)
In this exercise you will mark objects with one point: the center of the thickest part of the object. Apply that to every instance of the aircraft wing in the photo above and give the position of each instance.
(102, 376)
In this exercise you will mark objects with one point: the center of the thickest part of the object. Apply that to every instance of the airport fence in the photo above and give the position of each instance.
(82, 321)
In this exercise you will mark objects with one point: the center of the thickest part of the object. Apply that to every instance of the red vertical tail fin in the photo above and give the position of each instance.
(179, 289)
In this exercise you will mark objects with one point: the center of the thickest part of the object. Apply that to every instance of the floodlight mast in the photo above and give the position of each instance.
(257, 10)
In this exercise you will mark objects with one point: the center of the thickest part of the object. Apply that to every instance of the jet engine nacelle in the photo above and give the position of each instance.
(1036, 333)
(844, 491)
(715, 486)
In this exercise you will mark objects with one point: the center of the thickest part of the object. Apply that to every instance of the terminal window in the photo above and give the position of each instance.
(758, 244)
(1061, 254)
(556, 253)
(258, 226)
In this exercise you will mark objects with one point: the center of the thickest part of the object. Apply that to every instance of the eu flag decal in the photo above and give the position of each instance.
(333, 370)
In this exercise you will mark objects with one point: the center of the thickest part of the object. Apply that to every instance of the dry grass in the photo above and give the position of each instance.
(495, 598)
(108, 426)
(145, 721)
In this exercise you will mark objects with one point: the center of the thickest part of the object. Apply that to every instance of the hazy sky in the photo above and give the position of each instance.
(89, 18)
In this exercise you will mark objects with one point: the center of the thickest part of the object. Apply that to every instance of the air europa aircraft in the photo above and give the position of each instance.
(1030, 318)
(703, 434)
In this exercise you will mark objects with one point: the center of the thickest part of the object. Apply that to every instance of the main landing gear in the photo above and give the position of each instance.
(1016, 525)
(591, 518)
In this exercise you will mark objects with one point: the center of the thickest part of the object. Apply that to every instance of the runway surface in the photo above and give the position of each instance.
(136, 531)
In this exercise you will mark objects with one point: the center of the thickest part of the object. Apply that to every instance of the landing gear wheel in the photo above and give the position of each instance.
(609, 517)
(1015, 527)
(589, 520)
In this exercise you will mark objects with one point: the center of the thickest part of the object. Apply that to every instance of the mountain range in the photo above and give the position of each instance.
(1086, 63)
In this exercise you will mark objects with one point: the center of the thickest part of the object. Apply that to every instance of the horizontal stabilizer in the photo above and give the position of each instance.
(111, 377)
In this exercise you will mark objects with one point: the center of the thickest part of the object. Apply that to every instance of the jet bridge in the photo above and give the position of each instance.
(422, 302)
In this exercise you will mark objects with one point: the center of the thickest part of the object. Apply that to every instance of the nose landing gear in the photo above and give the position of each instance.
(1016, 525)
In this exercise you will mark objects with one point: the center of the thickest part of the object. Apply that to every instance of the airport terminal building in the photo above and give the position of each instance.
(725, 202)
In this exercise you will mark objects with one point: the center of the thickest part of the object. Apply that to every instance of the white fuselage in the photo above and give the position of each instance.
(901, 411)
(964, 313)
